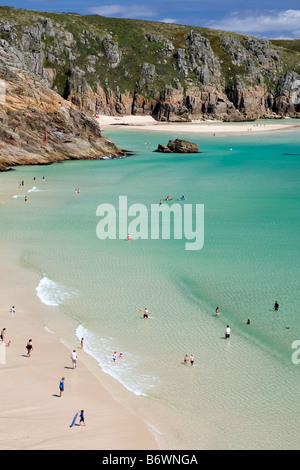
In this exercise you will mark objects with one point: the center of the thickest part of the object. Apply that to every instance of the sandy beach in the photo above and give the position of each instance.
(33, 415)
(206, 127)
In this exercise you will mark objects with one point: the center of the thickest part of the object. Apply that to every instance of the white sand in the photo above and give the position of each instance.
(211, 127)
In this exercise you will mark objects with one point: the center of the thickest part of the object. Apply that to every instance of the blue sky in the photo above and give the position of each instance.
(262, 18)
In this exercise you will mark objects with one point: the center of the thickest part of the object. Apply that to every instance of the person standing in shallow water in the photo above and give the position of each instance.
(227, 332)
(276, 305)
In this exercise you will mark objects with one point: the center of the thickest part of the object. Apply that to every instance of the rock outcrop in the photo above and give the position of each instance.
(38, 126)
(178, 146)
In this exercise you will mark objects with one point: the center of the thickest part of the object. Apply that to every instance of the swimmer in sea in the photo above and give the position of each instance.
(217, 310)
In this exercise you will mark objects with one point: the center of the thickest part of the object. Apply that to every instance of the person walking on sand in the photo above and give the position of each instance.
(29, 347)
(192, 359)
(186, 358)
(61, 386)
(81, 343)
(3, 331)
(81, 418)
(74, 358)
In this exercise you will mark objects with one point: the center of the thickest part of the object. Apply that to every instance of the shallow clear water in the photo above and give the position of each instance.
(242, 392)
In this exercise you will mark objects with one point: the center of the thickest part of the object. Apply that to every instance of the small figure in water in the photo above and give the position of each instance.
(276, 305)
(217, 310)
(227, 332)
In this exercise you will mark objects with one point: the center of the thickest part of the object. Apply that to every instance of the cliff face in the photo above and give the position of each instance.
(60, 69)
(37, 125)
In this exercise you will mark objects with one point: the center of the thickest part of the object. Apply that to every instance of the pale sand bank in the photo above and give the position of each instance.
(212, 127)
(32, 414)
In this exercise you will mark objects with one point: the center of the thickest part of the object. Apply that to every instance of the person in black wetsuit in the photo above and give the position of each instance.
(276, 305)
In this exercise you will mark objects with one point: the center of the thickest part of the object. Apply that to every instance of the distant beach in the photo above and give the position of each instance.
(212, 127)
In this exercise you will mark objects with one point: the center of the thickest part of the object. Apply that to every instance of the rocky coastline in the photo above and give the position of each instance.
(58, 70)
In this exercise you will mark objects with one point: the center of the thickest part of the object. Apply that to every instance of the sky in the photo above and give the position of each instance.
(268, 19)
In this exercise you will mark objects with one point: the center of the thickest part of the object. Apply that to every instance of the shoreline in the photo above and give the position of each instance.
(148, 123)
(33, 415)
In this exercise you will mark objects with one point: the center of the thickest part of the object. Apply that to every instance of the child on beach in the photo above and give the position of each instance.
(186, 359)
(61, 386)
(192, 359)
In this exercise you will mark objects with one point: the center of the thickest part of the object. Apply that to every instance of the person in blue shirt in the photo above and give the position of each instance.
(61, 386)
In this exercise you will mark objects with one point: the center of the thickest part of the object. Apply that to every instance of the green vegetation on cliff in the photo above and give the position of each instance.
(132, 66)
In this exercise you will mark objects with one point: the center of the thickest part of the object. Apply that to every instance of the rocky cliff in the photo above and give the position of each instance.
(59, 69)
(37, 125)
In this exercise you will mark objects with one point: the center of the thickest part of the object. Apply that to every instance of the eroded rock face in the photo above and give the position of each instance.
(37, 126)
(178, 146)
(179, 75)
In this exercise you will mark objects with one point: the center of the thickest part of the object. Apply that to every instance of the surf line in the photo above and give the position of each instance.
(187, 222)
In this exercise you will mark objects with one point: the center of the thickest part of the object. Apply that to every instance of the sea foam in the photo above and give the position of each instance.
(51, 293)
(124, 370)
(34, 189)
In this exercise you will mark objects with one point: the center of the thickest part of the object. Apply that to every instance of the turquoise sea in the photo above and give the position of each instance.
(241, 393)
